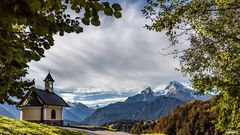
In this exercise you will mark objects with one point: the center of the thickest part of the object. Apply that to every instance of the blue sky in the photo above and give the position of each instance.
(108, 63)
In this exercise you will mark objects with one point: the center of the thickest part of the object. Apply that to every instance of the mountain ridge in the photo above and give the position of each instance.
(141, 103)
(147, 105)
(138, 110)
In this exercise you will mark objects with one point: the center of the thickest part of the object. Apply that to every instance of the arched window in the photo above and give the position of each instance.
(53, 114)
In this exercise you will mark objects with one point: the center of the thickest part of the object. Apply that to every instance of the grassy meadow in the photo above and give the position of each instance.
(10, 126)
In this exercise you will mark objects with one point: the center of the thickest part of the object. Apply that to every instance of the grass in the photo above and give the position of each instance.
(94, 128)
(10, 126)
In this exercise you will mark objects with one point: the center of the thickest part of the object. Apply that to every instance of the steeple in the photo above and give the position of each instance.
(49, 82)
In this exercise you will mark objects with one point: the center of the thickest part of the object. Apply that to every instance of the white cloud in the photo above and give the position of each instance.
(119, 55)
(102, 102)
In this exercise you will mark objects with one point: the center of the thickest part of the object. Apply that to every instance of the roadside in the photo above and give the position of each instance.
(89, 132)
(111, 133)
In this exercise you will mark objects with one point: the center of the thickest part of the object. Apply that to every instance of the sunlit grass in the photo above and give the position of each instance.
(10, 126)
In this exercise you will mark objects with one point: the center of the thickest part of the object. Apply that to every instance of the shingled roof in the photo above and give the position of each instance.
(42, 97)
(49, 78)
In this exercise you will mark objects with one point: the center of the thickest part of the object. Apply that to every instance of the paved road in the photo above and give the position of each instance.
(111, 133)
(88, 132)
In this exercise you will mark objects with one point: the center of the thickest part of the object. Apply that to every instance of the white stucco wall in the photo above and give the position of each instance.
(34, 113)
(58, 112)
(30, 113)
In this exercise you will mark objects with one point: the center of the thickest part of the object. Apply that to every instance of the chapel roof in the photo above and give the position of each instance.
(49, 77)
(40, 97)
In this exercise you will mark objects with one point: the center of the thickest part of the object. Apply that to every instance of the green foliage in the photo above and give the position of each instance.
(191, 118)
(16, 127)
(143, 127)
(26, 31)
(121, 125)
(213, 59)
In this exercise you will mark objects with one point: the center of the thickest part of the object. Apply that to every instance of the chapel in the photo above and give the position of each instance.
(43, 106)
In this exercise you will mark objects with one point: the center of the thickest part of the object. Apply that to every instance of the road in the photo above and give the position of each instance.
(88, 132)
(110, 133)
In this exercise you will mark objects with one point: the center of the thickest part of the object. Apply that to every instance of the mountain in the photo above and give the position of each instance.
(77, 112)
(96, 107)
(115, 111)
(134, 110)
(4, 112)
(146, 95)
(159, 107)
(147, 105)
(177, 90)
(9, 111)
(12, 109)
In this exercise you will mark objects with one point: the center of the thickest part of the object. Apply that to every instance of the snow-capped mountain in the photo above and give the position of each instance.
(147, 105)
(145, 95)
(143, 106)
(173, 89)
(179, 91)
(96, 107)
(148, 90)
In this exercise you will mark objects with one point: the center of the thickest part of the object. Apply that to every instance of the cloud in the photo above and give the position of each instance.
(92, 97)
(102, 102)
(119, 55)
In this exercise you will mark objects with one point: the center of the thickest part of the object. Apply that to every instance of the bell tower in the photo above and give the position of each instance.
(49, 82)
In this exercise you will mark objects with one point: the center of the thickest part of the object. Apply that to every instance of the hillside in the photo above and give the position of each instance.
(17, 127)
(193, 117)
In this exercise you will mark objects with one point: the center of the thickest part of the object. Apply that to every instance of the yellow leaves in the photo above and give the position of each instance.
(223, 56)
(203, 31)
(17, 28)
(223, 3)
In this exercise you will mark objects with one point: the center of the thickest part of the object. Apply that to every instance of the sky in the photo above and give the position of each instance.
(108, 63)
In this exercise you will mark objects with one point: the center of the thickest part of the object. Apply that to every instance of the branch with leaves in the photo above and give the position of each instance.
(26, 31)
(213, 59)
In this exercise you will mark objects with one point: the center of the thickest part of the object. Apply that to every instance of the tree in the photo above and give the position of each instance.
(213, 58)
(26, 31)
